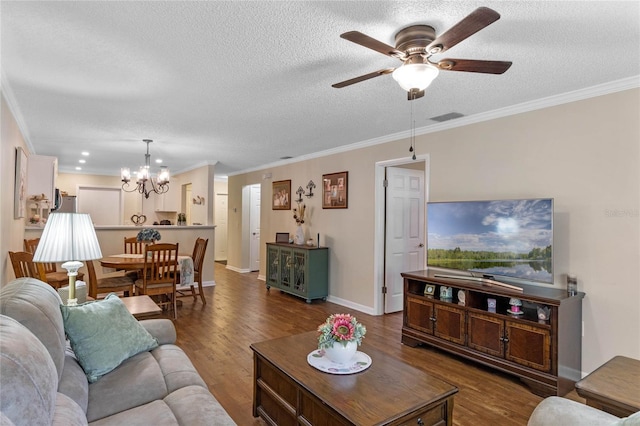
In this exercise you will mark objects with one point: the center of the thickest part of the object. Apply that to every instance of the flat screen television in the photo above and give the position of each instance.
(509, 240)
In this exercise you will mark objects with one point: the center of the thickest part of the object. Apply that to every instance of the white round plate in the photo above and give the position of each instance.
(360, 362)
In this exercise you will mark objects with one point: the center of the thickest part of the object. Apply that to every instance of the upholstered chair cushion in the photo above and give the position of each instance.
(103, 334)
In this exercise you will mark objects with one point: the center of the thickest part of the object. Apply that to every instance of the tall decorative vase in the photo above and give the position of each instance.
(341, 353)
(299, 237)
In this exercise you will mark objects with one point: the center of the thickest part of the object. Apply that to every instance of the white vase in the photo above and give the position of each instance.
(299, 237)
(341, 353)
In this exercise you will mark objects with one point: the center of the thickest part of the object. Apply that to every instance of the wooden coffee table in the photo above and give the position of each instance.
(141, 307)
(614, 387)
(289, 391)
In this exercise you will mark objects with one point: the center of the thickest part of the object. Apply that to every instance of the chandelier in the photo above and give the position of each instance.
(158, 184)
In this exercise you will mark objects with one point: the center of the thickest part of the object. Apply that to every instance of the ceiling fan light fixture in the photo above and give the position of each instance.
(415, 76)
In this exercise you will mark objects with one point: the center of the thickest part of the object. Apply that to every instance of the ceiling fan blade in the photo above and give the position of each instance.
(474, 22)
(362, 78)
(472, 65)
(371, 43)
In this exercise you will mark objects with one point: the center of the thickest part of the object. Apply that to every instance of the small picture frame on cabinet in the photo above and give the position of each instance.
(491, 305)
(282, 237)
(429, 290)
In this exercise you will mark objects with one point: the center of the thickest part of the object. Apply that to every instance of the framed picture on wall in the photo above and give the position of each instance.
(335, 190)
(281, 195)
(20, 190)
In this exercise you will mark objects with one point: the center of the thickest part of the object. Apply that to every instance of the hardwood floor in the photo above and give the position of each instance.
(240, 311)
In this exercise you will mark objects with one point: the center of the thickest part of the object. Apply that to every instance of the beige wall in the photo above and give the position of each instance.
(11, 230)
(135, 203)
(585, 155)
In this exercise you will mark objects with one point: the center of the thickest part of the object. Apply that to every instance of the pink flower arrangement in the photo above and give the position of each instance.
(341, 328)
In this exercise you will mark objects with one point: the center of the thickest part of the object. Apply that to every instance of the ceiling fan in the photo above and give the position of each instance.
(416, 44)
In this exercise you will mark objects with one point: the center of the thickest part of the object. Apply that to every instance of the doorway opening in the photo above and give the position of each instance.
(394, 250)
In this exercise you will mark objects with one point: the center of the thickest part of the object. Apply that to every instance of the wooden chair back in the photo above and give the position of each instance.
(30, 246)
(199, 250)
(92, 289)
(159, 273)
(133, 246)
(107, 284)
(24, 266)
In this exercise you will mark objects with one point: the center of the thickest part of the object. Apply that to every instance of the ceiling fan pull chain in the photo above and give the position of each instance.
(412, 135)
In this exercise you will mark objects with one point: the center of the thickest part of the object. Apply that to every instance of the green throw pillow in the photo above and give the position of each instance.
(103, 334)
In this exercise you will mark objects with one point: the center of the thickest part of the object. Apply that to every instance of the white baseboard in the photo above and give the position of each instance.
(338, 301)
(262, 277)
(239, 270)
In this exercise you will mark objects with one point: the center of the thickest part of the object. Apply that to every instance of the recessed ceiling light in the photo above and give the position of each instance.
(82, 161)
(85, 153)
(158, 160)
(78, 168)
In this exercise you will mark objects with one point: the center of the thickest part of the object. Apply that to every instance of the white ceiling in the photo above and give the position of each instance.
(246, 83)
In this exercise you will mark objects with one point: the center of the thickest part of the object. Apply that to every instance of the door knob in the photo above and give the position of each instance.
(421, 245)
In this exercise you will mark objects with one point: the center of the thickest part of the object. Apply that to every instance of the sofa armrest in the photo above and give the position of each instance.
(161, 329)
(555, 410)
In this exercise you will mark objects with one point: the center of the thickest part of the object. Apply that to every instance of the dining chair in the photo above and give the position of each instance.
(159, 274)
(107, 285)
(199, 249)
(133, 246)
(24, 266)
(54, 277)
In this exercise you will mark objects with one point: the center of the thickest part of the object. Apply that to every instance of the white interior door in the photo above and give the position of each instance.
(404, 236)
(221, 226)
(254, 224)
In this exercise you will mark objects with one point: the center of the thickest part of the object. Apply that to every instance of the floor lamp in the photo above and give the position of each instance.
(68, 238)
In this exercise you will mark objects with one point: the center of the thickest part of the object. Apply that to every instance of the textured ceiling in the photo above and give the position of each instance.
(246, 83)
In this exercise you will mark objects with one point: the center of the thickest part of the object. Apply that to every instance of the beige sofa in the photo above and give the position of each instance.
(557, 411)
(42, 382)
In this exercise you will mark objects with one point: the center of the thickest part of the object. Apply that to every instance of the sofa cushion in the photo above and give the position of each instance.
(68, 413)
(36, 305)
(74, 382)
(28, 377)
(191, 405)
(140, 380)
(137, 381)
(555, 410)
(103, 334)
(632, 420)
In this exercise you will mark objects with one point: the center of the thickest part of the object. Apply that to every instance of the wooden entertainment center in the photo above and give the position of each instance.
(544, 354)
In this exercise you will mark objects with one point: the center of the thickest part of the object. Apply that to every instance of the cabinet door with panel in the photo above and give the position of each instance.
(516, 341)
(285, 263)
(528, 345)
(419, 314)
(443, 320)
(449, 323)
(273, 271)
(301, 271)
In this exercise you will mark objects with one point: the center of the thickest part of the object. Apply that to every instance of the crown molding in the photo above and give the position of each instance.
(7, 92)
(564, 98)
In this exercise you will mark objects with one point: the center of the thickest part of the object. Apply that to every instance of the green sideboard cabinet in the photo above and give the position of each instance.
(299, 270)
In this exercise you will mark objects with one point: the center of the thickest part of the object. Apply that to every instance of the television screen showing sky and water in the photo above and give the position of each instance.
(510, 238)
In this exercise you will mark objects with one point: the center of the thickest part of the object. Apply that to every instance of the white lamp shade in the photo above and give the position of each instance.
(415, 76)
(68, 236)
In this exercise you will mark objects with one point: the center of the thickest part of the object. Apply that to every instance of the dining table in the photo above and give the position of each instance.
(135, 262)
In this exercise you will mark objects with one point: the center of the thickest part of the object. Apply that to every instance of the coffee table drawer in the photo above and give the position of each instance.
(436, 416)
(316, 413)
(280, 384)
